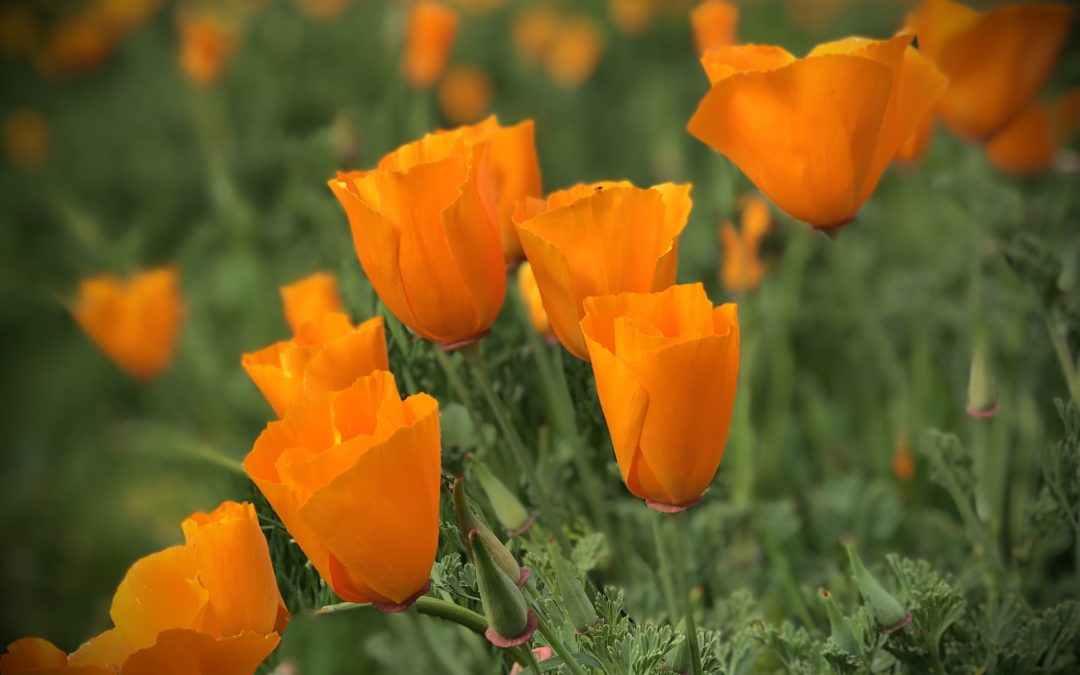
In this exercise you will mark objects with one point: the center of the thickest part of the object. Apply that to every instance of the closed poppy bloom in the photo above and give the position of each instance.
(207, 43)
(1030, 142)
(26, 138)
(666, 366)
(996, 61)
(816, 134)
(574, 52)
(429, 39)
(601, 239)
(354, 476)
(134, 321)
(465, 94)
(530, 294)
(308, 299)
(515, 173)
(209, 607)
(742, 268)
(714, 24)
(425, 228)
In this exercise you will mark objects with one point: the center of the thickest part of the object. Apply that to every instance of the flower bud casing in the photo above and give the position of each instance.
(510, 621)
(888, 611)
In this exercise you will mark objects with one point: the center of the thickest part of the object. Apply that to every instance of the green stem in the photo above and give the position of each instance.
(534, 665)
(557, 644)
(1069, 367)
(475, 358)
(666, 581)
(678, 532)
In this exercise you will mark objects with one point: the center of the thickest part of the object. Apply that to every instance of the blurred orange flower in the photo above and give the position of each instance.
(903, 462)
(742, 268)
(426, 230)
(429, 39)
(996, 61)
(600, 239)
(326, 352)
(210, 606)
(515, 173)
(74, 46)
(530, 293)
(465, 94)
(779, 121)
(632, 16)
(26, 138)
(714, 23)
(18, 32)
(207, 42)
(308, 299)
(354, 476)
(134, 321)
(653, 353)
(1030, 141)
(534, 31)
(574, 52)
(815, 14)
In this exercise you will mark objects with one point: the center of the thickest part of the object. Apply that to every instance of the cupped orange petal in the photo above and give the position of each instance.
(108, 649)
(816, 158)
(308, 299)
(1031, 141)
(530, 294)
(188, 652)
(721, 63)
(32, 655)
(651, 353)
(354, 477)
(609, 239)
(514, 171)
(159, 592)
(426, 232)
(234, 567)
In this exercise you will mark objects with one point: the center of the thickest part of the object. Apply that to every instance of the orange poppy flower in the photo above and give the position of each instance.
(742, 269)
(210, 606)
(26, 138)
(652, 353)
(429, 39)
(354, 476)
(778, 118)
(326, 352)
(574, 51)
(515, 173)
(425, 227)
(714, 24)
(308, 299)
(74, 46)
(135, 321)
(903, 462)
(207, 43)
(600, 239)
(530, 294)
(1030, 142)
(996, 61)
(465, 94)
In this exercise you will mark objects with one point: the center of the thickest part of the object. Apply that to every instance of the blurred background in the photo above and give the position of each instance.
(139, 133)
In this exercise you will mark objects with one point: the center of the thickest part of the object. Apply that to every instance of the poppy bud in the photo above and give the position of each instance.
(982, 390)
(508, 509)
(888, 611)
(510, 620)
(841, 634)
(575, 603)
(468, 522)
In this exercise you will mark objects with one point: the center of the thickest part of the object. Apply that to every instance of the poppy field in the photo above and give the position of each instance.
(591, 337)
